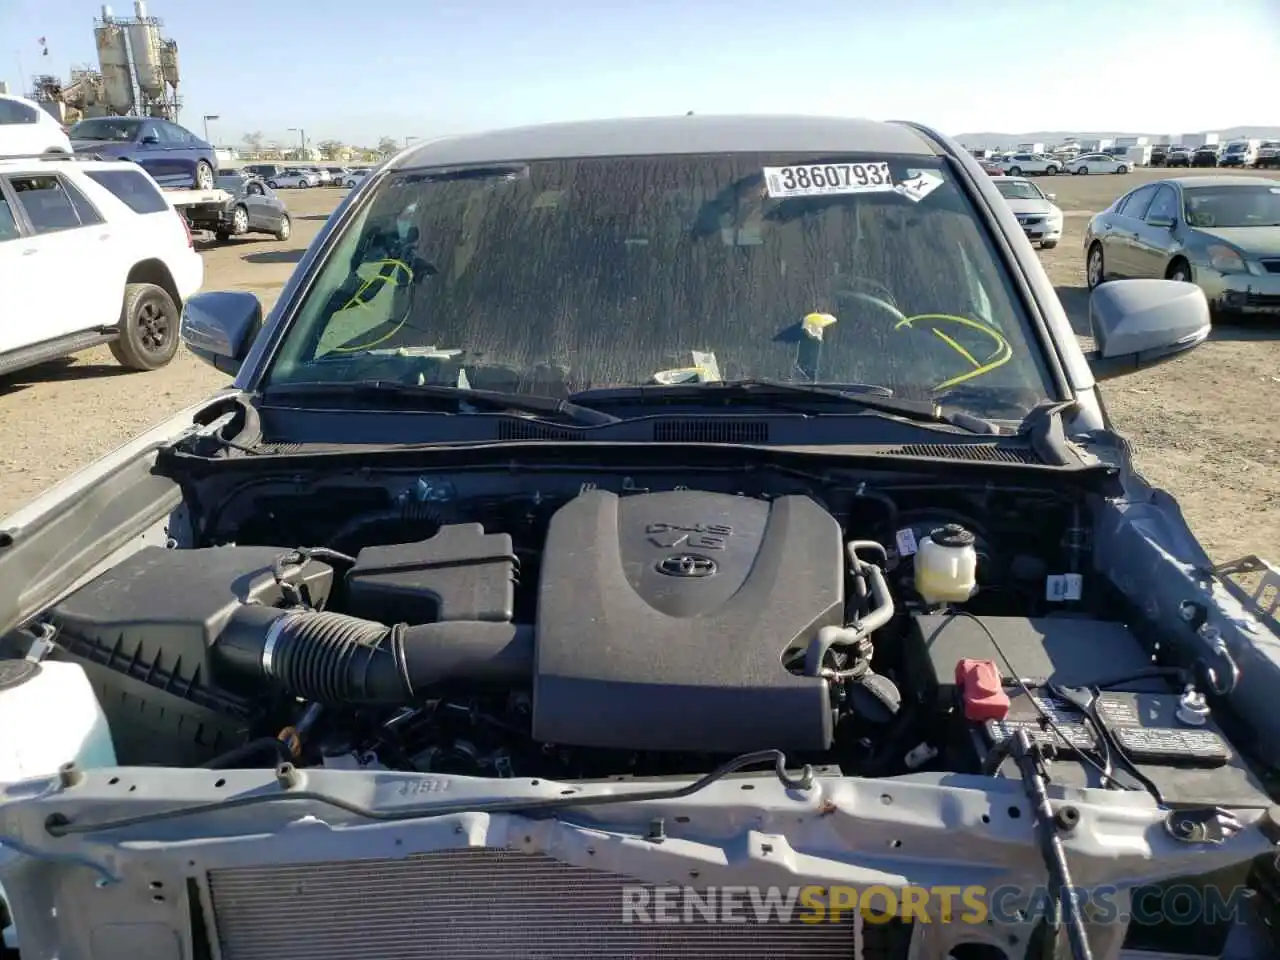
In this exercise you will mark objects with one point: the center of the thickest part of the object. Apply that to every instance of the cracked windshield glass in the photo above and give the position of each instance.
(554, 276)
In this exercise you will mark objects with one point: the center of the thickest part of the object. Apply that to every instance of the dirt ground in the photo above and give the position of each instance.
(1205, 427)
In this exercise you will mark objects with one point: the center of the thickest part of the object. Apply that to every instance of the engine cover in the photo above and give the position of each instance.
(662, 620)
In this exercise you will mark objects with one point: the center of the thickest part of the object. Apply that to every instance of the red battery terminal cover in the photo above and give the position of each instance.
(981, 690)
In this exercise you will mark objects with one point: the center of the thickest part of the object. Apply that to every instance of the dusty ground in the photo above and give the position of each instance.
(1205, 426)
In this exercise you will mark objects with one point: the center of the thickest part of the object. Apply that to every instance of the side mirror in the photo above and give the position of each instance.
(1165, 222)
(1140, 323)
(220, 327)
(1051, 196)
(150, 140)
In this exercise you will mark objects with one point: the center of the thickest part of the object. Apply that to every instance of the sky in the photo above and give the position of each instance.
(358, 70)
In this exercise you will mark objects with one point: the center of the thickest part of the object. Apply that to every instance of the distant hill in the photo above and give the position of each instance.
(988, 141)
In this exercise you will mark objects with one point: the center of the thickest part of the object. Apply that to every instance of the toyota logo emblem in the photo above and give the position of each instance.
(687, 566)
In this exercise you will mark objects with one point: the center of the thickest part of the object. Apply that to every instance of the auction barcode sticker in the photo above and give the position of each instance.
(825, 179)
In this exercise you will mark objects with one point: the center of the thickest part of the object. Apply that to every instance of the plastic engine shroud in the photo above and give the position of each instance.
(663, 618)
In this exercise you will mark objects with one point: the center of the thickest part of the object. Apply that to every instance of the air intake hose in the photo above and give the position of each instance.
(335, 659)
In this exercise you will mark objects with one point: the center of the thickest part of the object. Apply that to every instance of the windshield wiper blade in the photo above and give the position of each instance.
(870, 397)
(435, 394)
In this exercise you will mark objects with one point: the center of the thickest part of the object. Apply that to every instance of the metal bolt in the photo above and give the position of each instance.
(1066, 818)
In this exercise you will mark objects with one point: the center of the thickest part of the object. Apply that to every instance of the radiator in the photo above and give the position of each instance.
(486, 903)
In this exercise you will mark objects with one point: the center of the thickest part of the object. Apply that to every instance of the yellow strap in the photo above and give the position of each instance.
(382, 277)
(999, 356)
(362, 297)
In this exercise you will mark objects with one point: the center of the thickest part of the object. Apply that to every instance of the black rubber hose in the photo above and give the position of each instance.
(335, 659)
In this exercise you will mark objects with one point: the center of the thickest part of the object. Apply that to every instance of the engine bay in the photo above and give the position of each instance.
(575, 626)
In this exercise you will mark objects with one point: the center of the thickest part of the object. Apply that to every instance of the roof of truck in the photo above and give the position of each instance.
(673, 135)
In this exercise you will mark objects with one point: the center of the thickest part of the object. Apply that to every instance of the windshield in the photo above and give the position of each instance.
(558, 276)
(1019, 190)
(1234, 206)
(116, 129)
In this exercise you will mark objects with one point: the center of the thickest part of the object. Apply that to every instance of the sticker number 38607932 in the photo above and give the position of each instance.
(827, 178)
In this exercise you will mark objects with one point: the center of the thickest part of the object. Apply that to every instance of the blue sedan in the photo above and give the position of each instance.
(174, 156)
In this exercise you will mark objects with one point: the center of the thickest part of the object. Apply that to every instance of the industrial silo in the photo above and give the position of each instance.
(169, 62)
(113, 57)
(144, 39)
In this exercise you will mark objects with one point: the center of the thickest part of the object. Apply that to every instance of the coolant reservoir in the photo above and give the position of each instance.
(49, 715)
(946, 565)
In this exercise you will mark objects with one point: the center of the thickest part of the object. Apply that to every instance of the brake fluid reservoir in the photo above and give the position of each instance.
(49, 715)
(946, 565)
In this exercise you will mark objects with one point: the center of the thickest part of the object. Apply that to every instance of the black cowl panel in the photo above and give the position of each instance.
(662, 620)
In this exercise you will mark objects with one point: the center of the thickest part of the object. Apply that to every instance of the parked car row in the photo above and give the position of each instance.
(1023, 164)
(293, 175)
(1122, 159)
(1236, 153)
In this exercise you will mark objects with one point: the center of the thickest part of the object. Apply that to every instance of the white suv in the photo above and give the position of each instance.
(26, 130)
(91, 252)
(1017, 164)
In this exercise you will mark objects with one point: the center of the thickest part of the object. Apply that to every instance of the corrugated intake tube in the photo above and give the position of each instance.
(336, 659)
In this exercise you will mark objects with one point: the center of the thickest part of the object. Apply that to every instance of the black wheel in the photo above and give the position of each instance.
(204, 176)
(1122, 169)
(1179, 270)
(1048, 244)
(273, 185)
(222, 236)
(286, 229)
(148, 328)
(1082, 171)
(239, 221)
(1051, 171)
(1095, 269)
(1015, 171)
